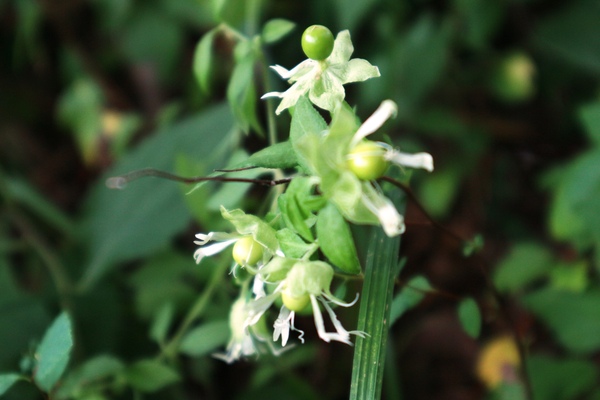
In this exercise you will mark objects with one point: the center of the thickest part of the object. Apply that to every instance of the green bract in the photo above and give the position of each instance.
(317, 42)
(367, 161)
(247, 251)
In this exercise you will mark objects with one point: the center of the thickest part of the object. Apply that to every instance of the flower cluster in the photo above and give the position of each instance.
(291, 259)
(298, 283)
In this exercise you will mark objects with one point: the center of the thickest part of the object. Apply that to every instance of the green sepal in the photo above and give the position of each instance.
(247, 224)
(277, 269)
(309, 277)
(342, 129)
(335, 240)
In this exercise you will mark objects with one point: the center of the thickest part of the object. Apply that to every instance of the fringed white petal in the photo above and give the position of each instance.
(299, 69)
(386, 110)
(258, 287)
(272, 94)
(320, 325)
(257, 307)
(390, 219)
(330, 297)
(281, 327)
(212, 249)
(418, 160)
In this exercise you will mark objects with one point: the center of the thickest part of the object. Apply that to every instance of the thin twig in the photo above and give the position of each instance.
(119, 182)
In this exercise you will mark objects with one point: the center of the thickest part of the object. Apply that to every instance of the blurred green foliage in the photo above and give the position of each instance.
(504, 94)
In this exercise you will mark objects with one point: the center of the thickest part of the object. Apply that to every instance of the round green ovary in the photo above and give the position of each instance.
(367, 161)
(317, 42)
(247, 251)
(295, 303)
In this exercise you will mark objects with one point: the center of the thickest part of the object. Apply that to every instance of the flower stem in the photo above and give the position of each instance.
(171, 348)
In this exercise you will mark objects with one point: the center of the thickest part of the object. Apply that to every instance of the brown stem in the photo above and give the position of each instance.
(119, 182)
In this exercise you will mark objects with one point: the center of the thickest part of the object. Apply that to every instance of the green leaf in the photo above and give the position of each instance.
(561, 379)
(573, 317)
(381, 270)
(335, 240)
(570, 276)
(291, 244)
(589, 116)
(349, 13)
(162, 322)
(150, 37)
(229, 194)
(421, 57)
(203, 59)
(163, 279)
(573, 34)
(439, 190)
(293, 215)
(276, 29)
(479, 21)
(280, 155)
(26, 195)
(205, 338)
(53, 352)
(525, 263)
(80, 109)
(470, 317)
(574, 214)
(122, 225)
(241, 91)
(410, 295)
(150, 376)
(7, 380)
(98, 369)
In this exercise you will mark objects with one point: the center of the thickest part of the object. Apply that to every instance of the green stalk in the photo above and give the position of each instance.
(370, 353)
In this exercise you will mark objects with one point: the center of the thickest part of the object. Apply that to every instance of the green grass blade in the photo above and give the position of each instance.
(374, 316)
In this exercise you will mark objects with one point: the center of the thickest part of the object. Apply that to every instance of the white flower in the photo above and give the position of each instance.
(391, 220)
(311, 279)
(245, 340)
(324, 80)
(222, 239)
(385, 111)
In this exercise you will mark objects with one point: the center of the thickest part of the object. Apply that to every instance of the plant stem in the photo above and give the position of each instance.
(171, 348)
(60, 278)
